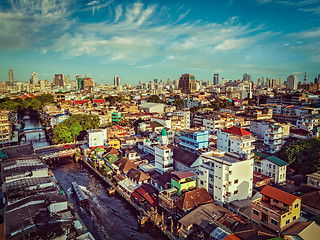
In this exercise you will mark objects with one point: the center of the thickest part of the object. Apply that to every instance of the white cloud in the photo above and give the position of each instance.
(118, 12)
(229, 44)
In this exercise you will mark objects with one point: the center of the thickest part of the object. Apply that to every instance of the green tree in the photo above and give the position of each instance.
(154, 99)
(71, 128)
(179, 103)
(61, 134)
(75, 129)
(303, 156)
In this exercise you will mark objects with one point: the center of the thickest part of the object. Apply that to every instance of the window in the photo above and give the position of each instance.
(201, 182)
(275, 201)
(294, 218)
(255, 212)
(274, 222)
(236, 181)
(296, 206)
(288, 221)
(235, 192)
(274, 166)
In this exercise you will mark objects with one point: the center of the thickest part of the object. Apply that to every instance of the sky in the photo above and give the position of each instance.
(146, 40)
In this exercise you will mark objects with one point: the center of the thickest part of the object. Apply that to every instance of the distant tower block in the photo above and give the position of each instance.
(11, 80)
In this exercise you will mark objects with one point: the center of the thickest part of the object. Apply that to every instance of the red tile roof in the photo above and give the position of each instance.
(118, 127)
(231, 237)
(279, 195)
(237, 131)
(98, 100)
(80, 101)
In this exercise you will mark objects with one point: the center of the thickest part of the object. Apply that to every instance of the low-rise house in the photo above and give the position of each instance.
(273, 167)
(302, 230)
(276, 210)
(192, 199)
(260, 179)
(138, 176)
(183, 181)
(213, 221)
(311, 203)
(125, 165)
(314, 179)
(167, 199)
(146, 196)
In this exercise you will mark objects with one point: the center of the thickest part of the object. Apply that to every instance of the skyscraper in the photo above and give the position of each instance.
(58, 80)
(116, 81)
(11, 80)
(34, 78)
(187, 83)
(67, 80)
(292, 82)
(215, 79)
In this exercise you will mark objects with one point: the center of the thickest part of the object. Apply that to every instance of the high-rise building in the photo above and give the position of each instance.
(116, 81)
(67, 80)
(187, 83)
(215, 79)
(246, 77)
(262, 81)
(11, 77)
(58, 80)
(292, 82)
(34, 78)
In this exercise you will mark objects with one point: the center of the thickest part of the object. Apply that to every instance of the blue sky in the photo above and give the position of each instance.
(143, 40)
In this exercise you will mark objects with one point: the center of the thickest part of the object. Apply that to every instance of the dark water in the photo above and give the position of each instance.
(107, 217)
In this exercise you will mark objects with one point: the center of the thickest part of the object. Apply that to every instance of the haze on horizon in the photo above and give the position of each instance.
(143, 40)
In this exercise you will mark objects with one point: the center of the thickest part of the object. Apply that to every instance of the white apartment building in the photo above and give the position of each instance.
(214, 123)
(235, 141)
(273, 138)
(308, 122)
(97, 137)
(163, 158)
(226, 178)
(273, 167)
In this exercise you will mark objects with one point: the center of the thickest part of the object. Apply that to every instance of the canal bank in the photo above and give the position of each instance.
(108, 217)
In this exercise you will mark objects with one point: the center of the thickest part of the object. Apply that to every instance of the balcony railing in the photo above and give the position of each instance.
(270, 208)
(248, 138)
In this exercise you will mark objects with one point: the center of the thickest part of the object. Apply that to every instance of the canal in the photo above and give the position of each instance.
(106, 217)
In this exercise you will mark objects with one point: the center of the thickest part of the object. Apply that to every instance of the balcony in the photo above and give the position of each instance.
(248, 138)
(251, 147)
(270, 209)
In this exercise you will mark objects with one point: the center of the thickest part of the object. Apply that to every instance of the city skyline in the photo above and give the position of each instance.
(143, 40)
